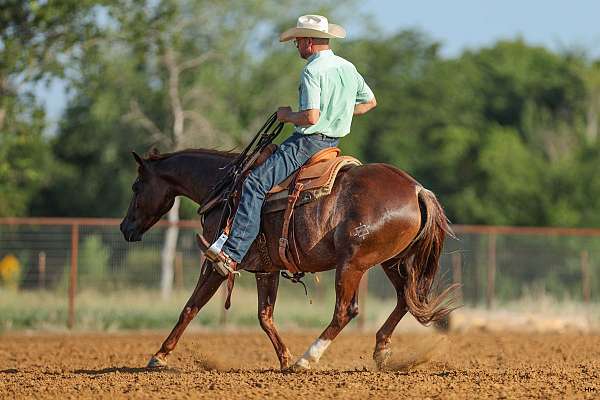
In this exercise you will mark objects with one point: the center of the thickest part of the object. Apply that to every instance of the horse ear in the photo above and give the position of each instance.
(138, 159)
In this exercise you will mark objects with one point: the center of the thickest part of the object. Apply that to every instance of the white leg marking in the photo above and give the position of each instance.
(314, 353)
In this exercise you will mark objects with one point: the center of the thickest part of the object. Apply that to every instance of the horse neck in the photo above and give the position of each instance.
(193, 174)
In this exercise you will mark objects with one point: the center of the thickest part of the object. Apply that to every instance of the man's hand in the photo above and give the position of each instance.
(283, 114)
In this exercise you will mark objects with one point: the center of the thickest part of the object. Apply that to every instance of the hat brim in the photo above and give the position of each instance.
(335, 32)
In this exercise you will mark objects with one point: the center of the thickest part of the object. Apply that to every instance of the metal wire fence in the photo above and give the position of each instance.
(57, 271)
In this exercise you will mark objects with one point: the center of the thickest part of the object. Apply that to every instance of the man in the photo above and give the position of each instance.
(331, 92)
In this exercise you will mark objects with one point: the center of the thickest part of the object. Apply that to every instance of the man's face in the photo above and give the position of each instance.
(304, 46)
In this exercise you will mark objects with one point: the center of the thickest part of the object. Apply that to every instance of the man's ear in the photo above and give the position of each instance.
(138, 159)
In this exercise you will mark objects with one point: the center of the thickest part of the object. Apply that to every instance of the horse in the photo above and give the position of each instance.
(376, 214)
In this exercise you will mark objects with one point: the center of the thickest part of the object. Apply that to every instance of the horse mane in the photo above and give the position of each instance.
(155, 155)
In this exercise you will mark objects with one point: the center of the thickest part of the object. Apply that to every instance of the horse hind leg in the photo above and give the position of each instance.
(382, 351)
(267, 284)
(347, 279)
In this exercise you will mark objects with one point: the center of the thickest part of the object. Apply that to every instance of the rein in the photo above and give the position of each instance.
(223, 190)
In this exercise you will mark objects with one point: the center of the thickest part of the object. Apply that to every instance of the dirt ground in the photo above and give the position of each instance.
(243, 366)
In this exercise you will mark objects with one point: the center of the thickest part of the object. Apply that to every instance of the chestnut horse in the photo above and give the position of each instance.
(375, 214)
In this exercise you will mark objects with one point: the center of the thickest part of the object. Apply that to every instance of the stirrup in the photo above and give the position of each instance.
(223, 268)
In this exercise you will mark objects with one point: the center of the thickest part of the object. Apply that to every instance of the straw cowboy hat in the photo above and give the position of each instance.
(315, 26)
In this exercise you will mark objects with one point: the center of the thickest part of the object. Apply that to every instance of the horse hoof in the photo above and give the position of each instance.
(286, 361)
(285, 367)
(300, 365)
(157, 362)
(381, 358)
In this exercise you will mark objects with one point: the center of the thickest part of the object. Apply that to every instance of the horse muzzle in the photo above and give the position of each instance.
(130, 232)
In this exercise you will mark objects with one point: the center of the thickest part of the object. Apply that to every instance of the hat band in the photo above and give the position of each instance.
(313, 26)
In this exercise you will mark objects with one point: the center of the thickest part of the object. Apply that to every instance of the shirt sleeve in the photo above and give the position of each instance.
(363, 91)
(310, 91)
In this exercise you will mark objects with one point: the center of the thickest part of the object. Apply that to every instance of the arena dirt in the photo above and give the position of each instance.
(243, 366)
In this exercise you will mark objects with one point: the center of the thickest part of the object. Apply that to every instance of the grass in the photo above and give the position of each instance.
(131, 309)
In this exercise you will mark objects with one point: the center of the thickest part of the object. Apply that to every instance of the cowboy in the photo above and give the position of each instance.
(331, 92)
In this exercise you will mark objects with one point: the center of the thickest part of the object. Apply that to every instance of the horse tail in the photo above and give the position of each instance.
(421, 260)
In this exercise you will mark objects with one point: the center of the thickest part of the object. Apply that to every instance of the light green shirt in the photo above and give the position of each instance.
(334, 86)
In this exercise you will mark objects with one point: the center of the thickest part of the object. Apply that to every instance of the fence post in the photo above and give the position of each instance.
(73, 273)
(179, 270)
(585, 275)
(491, 272)
(363, 293)
(41, 270)
(457, 274)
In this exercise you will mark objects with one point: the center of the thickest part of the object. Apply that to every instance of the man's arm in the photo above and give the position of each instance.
(363, 108)
(300, 118)
(310, 100)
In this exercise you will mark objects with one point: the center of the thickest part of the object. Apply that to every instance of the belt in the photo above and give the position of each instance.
(321, 136)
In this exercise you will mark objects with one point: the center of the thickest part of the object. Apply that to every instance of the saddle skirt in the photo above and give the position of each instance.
(317, 177)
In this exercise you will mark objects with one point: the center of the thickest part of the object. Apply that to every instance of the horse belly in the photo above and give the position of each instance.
(312, 231)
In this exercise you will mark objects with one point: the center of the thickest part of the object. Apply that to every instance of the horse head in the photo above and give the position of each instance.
(152, 198)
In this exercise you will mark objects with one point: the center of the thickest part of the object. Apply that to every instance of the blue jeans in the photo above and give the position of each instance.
(288, 158)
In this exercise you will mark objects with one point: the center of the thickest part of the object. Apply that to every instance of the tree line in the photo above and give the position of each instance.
(505, 134)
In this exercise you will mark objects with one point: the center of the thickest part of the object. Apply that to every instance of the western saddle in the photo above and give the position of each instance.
(312, 181)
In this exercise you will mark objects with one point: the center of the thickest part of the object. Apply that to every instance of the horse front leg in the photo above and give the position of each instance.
(205, 289)
(267, 284)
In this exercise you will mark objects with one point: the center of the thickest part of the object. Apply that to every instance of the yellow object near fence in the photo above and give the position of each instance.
(10, 271)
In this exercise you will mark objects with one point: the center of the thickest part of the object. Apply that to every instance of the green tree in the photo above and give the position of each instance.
(36, 40)
(24, 157)
(484, 130)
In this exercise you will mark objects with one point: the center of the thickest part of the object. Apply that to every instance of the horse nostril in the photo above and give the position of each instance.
(127, 223)
(126, 229)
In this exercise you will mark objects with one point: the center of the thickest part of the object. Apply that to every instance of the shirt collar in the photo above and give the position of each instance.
(320, 54)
